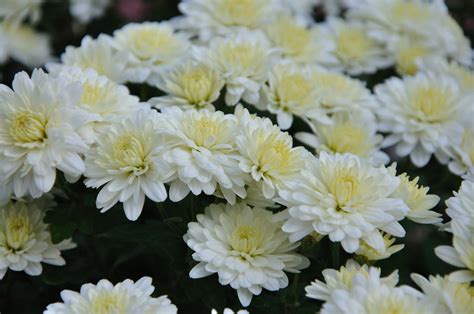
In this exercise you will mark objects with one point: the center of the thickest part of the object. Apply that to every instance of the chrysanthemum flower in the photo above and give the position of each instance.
(267, 153)
(369, 295)
(189, 85)
(210, 17)
(443, 295)
(418, 200)
(243, 60)
(245, 247)
(149, 47)
(421, 113)
(86, 10)
(125, 297)
(202, 148)
(25, 241)
(104, 99)
(291, 92)
(342, 279)
(354, 133)
(18, 40)
(96, 54)
(461, 205)
(460, 254)
(346, 198)
(300, 43)
(356, 51)
(39, 122)
(128, 159)
(369, 253)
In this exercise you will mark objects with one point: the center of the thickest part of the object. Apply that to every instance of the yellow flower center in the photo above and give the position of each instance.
(246, 239)
(19, 231)
(343, 186)
(207, 131)
(407, 56)
(293, 90)
(404, 11)
(146, 42)
(347, 138)
(130, 153)
(353, 44)
(431, 104)
(92, 94)
(107, 303)
(240, 12)
(388, 305)
(292, 37)
(28, 127)
(198, 84)
(243, 55)
(275, 154)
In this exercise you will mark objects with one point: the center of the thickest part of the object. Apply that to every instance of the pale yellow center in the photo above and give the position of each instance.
(390, 305)
(243, 55)
(198, 84)
(404, 11)
(407, 56)
(347, 138)
(107, 303)
(129, 152)
(246, 239)
(240, 12)
(275, 155)
(28, 127)
(19, 231)
(293, 90)
(343, 186)
(293, 38)
(431, 104)
(353, 44)
(148, 41)
(205, 131)
(92, 94)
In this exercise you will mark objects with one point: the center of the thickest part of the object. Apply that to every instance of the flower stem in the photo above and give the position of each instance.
(335, 252)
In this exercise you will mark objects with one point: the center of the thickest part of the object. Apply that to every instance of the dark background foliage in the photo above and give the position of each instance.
(110, 246)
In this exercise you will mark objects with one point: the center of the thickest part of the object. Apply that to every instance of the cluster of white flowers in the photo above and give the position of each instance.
(80, 120)
(25, 241)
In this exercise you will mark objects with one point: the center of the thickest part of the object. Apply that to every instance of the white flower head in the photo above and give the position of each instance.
(349, 132)
(460, 254)
(202, 148)
(39, 122)
(346, 198)
(86, 10)
(208, 18)
(25, 241)
(267, 153)
(243, 60)
(96, 54)
(149, 48)
(245, 247)
(124, 297)
(443, 295)
(356, 51)
(189, 85)
(461, 205)
(301, 43)
(342, 279)
(128, 160)
(422, 114)
(19, 40)
(418, 200)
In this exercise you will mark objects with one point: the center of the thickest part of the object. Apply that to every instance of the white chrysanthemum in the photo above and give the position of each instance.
(418, 200)
(461, 255)
(210, 17)
(357, 53)
(189, 86)
(291, 92)
(267, 153)
(346, 198)
(96, 54)
(461, 205)
(244, 60)
(202, 148)
(342, 279)
(18, 10)
(149, 47)
(301, 43)
(421, 113)
(444, 295)
(409, 53)
(39, 122)
(419, 20)
(369, 295)
(128, 159)
(354, 133)
(245, 247)
(19, 40)
(86, 10)
(104, 99)
(369, 253)
(125, 297)
(25, 241)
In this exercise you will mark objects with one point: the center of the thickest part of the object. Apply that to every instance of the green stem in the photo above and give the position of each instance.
(296, 279)
(335, 252)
